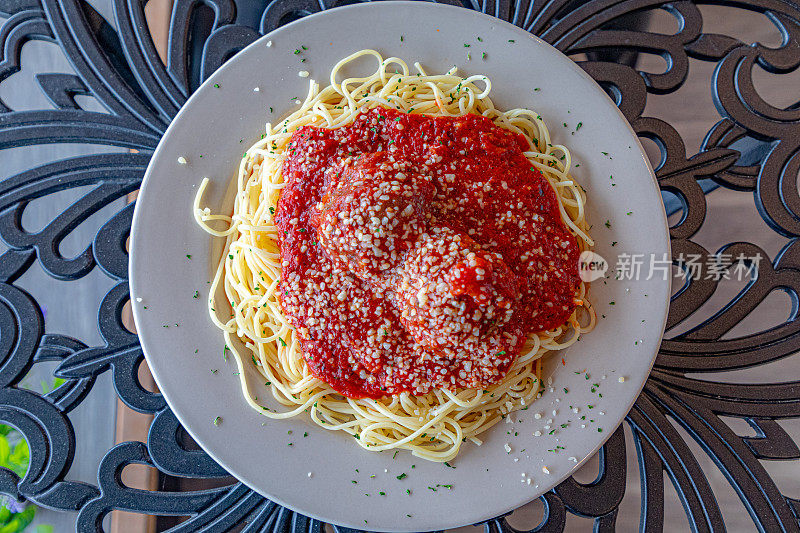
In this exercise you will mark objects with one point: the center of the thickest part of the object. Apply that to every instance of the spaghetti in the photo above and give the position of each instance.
(433, 419)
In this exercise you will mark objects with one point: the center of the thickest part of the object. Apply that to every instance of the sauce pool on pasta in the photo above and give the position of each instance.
(400, 256)
(418, 252)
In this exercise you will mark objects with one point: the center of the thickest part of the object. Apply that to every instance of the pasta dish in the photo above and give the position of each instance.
(400, 257)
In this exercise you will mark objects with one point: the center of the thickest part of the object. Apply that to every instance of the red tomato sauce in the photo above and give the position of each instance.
(419, 252)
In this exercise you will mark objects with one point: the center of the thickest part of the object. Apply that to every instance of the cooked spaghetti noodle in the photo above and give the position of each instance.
(432, 425)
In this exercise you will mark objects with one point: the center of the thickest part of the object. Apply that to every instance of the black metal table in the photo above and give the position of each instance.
(754, 147)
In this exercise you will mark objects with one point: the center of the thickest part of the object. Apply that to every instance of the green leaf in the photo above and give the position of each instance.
(44, 528)
(5, 451)
(19, 521)
(20, 458)
(27, 515)
(21, 453)
(5, 430)
(57, 382)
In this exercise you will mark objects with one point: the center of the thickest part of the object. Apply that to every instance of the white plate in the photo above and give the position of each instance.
(486, 480)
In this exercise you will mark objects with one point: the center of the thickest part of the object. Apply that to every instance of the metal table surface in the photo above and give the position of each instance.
(753, 148)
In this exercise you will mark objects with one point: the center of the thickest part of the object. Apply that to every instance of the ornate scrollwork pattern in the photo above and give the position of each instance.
(118, 66)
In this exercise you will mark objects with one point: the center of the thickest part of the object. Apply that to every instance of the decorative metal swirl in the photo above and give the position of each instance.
(122, 71)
